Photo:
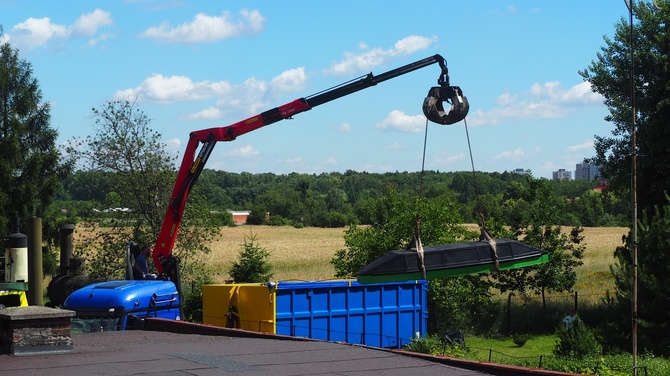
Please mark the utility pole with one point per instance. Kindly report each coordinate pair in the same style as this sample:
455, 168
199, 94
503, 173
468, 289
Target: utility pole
634, 287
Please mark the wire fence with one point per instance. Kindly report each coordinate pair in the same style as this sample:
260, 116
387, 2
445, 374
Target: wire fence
537, 314
539, 361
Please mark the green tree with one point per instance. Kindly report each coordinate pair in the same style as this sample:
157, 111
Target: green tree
394, 222
462, 303
577, 341
532, 219
609, 75
31, 168
89, 186
590, 209
112, 200
653, 279
458, 302
125, 146
252, 265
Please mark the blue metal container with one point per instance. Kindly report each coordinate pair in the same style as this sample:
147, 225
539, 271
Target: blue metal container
384, 315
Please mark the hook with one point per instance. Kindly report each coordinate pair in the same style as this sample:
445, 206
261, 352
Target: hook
434, 109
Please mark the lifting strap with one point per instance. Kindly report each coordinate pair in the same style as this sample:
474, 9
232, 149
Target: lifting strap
484, 233
416, 240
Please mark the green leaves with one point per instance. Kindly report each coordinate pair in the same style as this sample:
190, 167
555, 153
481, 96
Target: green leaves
252, 265
139, 175
31, 169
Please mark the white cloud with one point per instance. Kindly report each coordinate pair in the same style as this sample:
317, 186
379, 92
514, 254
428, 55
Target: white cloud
411, 44
345, 127
173, 146
289, 81
247, 98
209, 113
548, 167
39, 32
395, 146
330, 161
168, 89
401, 122
87, 25
518, 155
95, 41
243, 151
154, 5
204, 28
586, 145
35, 32
444, 159
173, 143
367, 58
510, 9
542, 101
292, 161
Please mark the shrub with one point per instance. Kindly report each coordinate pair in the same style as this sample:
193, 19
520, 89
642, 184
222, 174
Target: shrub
520, 339
252, 265
429, 344
192, 304
578, 341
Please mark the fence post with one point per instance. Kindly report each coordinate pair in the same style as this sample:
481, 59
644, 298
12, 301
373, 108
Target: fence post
576, 300
509, 313
540, 366
490, 352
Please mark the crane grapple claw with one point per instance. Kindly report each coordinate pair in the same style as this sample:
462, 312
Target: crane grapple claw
433, 106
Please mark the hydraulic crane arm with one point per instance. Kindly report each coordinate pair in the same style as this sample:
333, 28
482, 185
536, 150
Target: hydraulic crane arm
192, 164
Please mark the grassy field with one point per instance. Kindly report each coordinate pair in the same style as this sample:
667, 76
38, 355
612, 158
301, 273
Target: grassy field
594, 276
295, 253
305, 253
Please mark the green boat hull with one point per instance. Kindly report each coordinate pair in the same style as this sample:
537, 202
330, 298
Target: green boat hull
450, 260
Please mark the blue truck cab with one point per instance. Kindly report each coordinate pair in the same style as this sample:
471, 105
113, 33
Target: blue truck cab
121, 305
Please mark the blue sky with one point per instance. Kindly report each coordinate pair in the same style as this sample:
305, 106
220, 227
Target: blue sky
200, 64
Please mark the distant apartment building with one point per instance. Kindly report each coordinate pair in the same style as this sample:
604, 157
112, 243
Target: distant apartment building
520, 171
587, 171
562, 174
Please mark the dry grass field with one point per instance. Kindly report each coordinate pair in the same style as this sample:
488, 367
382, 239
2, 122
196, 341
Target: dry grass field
295, 253
305, 253
593, 276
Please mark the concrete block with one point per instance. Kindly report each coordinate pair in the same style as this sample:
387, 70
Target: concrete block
35, 330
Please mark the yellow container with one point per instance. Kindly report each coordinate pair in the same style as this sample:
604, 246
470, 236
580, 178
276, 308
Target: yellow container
249, 306
13, 298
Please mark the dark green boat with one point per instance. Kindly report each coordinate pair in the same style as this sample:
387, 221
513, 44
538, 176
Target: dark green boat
450, 260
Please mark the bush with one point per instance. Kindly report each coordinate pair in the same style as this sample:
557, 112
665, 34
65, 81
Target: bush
429, 344
520, 339
252, 265
277, 220
578, 341
192, 304
435, 345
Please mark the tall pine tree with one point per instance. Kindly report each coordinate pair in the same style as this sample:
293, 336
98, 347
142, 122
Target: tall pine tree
610, 76
31, 169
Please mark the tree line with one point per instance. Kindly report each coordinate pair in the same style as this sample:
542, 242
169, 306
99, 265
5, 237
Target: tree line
338, 199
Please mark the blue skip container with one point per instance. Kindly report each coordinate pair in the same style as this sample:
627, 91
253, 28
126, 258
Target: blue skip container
386, 315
